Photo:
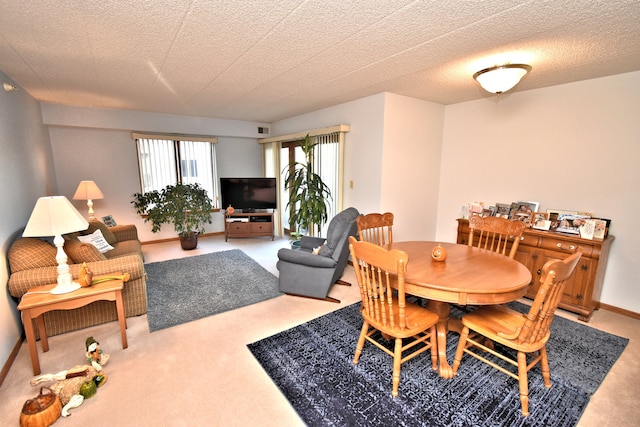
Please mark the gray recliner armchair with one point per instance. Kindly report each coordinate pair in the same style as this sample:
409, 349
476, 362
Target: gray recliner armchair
303, 273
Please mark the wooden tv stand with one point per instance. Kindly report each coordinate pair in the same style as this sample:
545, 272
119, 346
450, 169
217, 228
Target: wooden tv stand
245, 224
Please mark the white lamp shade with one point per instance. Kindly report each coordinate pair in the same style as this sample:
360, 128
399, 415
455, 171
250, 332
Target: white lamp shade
54, 216
501, 78
87, 190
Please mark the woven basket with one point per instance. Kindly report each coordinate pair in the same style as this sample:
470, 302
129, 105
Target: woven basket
41, 411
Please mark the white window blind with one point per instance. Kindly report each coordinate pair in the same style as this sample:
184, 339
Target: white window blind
327, 159
170, 159
328, 163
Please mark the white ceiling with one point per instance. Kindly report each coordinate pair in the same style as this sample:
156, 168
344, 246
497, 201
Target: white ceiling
265, 60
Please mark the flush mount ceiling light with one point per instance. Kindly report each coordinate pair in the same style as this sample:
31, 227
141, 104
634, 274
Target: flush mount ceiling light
501, 78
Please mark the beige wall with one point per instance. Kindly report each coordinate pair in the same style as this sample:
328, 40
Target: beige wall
392, 155
574, 147
26, 173
96, 144
411, 165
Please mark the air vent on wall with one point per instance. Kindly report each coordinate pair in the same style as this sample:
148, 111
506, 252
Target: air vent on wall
263, 130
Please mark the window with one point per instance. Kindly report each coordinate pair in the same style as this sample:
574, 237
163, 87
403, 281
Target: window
170, 159
281, 151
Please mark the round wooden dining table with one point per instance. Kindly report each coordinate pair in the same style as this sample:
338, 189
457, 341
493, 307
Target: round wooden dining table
468, 276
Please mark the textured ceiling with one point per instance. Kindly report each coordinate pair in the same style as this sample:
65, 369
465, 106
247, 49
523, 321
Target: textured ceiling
265, 60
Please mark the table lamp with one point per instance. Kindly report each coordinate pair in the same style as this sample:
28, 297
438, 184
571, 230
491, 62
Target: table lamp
55, 216
88, 190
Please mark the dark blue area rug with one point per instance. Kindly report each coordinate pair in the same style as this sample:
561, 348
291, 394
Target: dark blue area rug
191, 288
312, 366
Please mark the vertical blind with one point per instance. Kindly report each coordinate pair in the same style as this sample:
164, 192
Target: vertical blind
172, 159
328, 163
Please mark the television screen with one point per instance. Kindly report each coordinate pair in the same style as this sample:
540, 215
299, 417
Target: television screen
248, 193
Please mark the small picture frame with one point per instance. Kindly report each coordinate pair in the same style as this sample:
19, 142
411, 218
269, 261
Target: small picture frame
587, 228
522, 217
569, 223
601, 230
536, 216
554, 217
502, 210
487, 212
542, 224
529, 207
109, 221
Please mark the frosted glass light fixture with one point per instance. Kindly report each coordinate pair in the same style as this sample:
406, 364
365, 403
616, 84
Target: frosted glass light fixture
501, 78
88, 190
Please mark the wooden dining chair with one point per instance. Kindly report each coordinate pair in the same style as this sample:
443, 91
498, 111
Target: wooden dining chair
496, 234
525, 333
376, 228
412, 328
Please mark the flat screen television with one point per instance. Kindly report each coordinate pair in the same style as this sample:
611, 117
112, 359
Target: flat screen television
248, 194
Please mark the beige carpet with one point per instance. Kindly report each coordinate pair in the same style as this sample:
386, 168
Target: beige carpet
202, 374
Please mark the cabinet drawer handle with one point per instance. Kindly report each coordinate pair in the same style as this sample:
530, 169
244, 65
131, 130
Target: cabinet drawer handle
571, 247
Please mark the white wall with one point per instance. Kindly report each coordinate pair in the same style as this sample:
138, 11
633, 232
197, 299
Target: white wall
363, 145
392, 155
411, 165
96, 144
574, 147
26, 173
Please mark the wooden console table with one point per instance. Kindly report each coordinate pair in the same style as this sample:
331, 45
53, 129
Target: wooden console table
582, 291
248, 225
39, 300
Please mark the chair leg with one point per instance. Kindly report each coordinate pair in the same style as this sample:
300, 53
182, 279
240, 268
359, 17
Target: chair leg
327, 298
544, 365
397, 357
434, 348
363, 335
462, 343
524, 383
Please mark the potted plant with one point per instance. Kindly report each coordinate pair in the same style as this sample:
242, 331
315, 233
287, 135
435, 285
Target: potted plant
294, 239
308, 195
186, 206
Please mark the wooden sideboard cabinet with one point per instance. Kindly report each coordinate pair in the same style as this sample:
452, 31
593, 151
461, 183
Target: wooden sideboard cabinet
582, 291
248, 225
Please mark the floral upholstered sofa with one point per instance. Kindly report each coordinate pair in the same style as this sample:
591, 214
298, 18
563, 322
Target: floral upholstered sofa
32, 262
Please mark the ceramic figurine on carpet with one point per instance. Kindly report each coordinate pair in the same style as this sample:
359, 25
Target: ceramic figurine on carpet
95, 356
80, 382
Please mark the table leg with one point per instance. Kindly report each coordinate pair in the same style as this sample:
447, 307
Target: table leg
44, 340
121, 318
31, 341
443, 310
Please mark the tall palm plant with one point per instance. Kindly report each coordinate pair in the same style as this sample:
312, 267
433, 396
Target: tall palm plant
308, 195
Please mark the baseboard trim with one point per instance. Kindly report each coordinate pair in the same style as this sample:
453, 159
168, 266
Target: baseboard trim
175, 239
619, 310
10, 360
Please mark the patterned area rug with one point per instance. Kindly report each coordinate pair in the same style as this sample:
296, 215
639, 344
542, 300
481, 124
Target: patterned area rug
312, 365
191, 288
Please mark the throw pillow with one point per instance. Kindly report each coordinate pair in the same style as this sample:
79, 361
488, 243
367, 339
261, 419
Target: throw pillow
79, 252
98, 225
96, 239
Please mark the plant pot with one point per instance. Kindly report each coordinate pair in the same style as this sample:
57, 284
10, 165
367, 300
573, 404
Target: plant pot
189, 242
295, 244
